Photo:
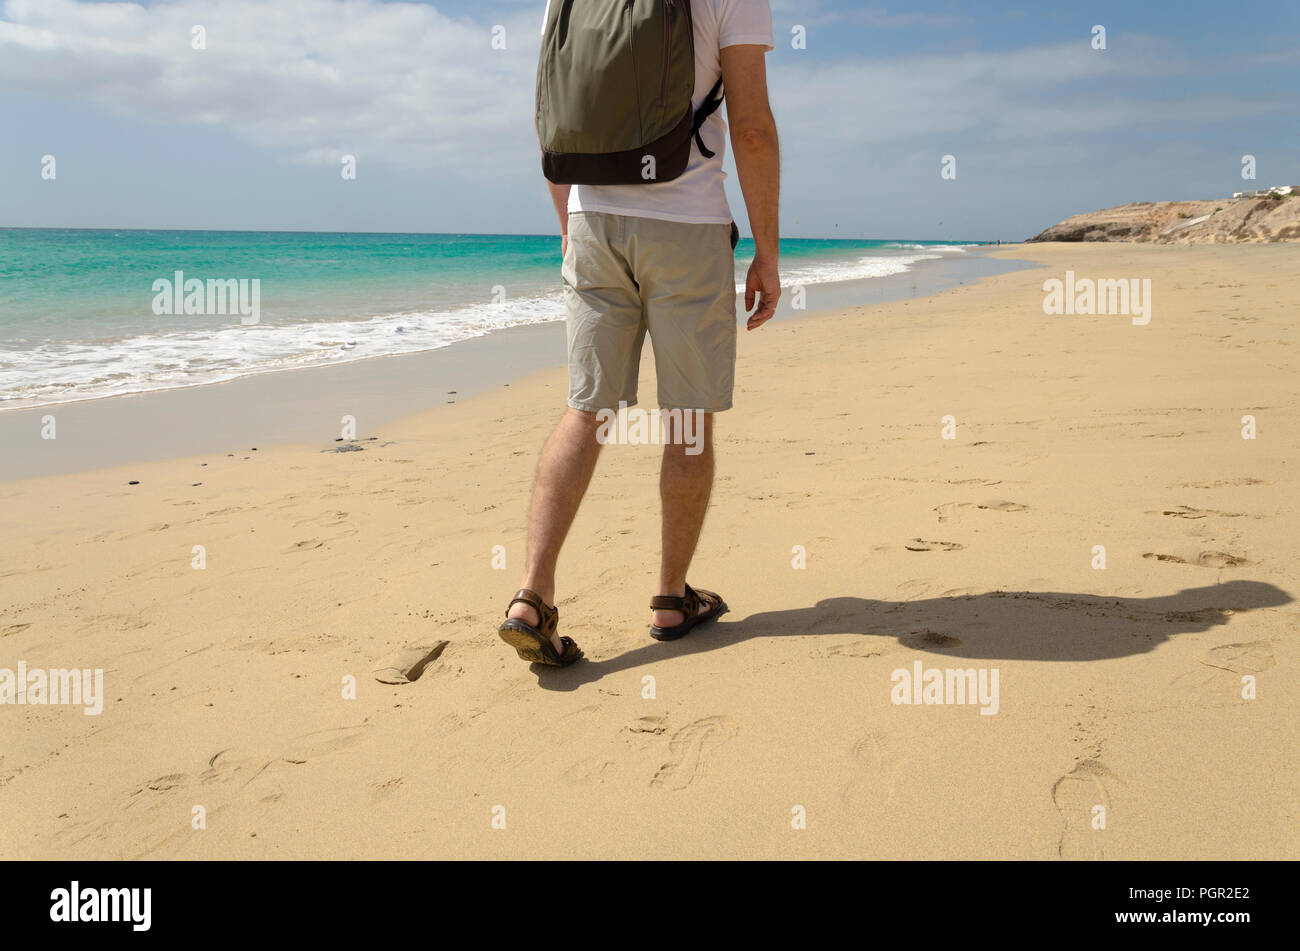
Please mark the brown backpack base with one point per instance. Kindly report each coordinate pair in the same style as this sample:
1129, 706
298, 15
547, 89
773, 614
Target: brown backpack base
661, 160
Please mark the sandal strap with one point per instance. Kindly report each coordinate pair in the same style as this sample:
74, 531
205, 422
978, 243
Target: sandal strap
688, 605
527, 596
548, 617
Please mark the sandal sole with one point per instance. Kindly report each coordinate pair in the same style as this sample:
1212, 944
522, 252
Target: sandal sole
528, 645
676, 633
525, 643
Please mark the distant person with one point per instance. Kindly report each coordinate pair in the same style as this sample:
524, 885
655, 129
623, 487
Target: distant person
632, 146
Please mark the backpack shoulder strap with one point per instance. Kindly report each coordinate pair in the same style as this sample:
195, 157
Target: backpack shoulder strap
707, 108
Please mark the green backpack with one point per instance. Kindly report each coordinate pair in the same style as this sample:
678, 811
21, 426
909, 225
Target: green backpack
614, 86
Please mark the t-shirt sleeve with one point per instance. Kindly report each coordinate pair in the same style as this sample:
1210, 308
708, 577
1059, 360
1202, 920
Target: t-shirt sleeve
745, 22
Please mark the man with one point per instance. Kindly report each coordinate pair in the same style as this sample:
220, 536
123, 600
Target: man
659, 258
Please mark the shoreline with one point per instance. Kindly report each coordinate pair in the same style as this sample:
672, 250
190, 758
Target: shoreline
298, 405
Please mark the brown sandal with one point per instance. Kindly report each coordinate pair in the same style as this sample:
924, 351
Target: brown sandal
533, 644
690, 607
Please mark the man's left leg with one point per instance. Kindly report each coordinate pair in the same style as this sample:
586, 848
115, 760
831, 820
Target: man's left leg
687, 276
685, 484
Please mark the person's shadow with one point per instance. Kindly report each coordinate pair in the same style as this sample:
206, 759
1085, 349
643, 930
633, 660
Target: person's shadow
997, 625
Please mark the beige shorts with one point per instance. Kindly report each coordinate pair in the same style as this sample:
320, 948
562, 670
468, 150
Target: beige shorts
624, 276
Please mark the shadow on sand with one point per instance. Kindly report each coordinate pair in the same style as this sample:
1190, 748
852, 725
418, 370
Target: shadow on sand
997, 625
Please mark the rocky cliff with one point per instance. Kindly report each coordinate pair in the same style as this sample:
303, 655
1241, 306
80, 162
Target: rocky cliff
1186, 222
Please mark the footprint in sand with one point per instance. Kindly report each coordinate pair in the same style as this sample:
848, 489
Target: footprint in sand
306, 545
870, 783
327, 519
1200, 616
140, 805
1249, 657
323, 742
226, 511
920, 544
588, 772
13, 629
864, 647
1186, 511
382, 789
928, 640
949, 509
1076, 796
687, 751
223, 767
653, 725
289, 645
164, 783
1219, 483
406, 666
1205, 559
999, 505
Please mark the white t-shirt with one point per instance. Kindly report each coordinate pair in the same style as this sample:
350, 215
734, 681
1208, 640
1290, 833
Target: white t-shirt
697, 195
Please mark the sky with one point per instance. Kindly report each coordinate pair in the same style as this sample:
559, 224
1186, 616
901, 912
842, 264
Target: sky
248, 133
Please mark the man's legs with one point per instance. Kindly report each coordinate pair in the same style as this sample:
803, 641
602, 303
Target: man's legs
563, 473
685, 482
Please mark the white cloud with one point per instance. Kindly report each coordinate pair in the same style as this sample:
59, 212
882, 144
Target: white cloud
400, 83
1060, 92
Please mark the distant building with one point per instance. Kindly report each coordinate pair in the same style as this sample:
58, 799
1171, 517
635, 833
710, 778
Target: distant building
1266, 192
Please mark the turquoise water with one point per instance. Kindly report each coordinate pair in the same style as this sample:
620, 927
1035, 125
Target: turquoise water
79, 310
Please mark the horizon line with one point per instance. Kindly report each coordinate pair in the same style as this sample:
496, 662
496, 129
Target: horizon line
494, 234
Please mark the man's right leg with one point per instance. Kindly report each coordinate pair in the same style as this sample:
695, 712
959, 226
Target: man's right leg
605, 331
563, 474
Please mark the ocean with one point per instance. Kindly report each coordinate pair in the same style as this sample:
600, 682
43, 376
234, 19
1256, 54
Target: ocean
96, 313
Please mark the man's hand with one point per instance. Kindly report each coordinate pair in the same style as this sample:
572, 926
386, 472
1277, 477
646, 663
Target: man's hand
764, 284
758, 162
560, 198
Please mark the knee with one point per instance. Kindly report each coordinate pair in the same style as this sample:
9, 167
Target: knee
582, 417
688, 436
582, 427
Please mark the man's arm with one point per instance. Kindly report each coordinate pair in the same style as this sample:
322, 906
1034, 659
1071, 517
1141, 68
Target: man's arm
560, 198
758, 160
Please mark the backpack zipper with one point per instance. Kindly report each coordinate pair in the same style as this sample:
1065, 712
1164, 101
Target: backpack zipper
631, 48
669, 6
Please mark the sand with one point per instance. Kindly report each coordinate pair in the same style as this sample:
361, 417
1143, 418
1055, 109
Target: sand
1120, 732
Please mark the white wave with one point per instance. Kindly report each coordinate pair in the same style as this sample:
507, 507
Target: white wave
60, 372
958, 248
858, 270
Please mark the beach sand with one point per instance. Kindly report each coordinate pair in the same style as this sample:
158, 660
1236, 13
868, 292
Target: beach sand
1119, 688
